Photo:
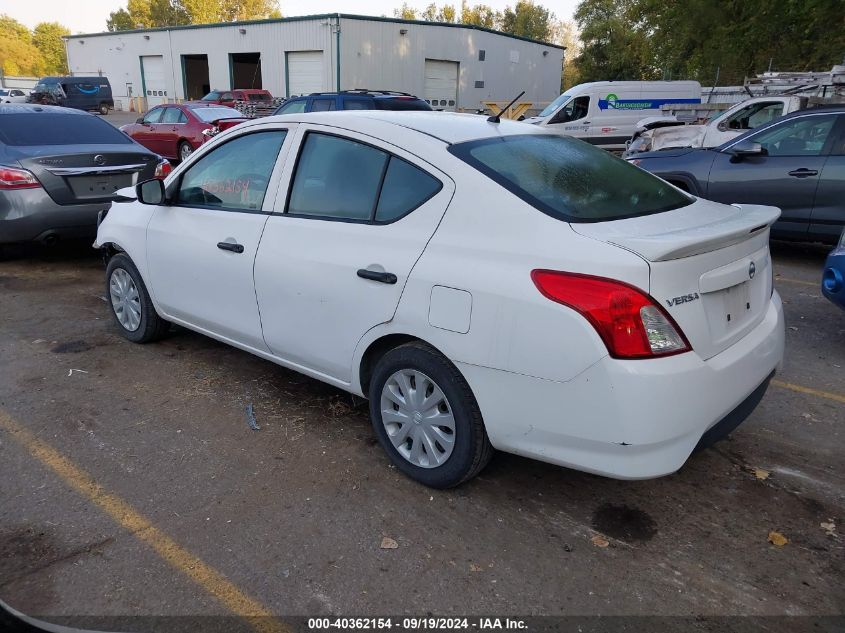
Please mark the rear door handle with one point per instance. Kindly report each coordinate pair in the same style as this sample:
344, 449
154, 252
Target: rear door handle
803, 172
230, 246
374, 275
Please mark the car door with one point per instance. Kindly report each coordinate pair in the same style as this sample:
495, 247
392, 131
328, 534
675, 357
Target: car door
201, 246
145, 131
167, 132
828, 218
337, 252
573, 118
786, 175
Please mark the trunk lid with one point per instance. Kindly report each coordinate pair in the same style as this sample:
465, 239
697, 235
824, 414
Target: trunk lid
80, 175
710, 267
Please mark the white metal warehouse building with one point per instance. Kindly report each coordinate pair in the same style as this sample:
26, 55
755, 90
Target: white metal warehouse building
453, 66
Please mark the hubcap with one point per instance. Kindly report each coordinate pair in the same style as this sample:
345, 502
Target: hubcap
418, 418
125, 299
186, 151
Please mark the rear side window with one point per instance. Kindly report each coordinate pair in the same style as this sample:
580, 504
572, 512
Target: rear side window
402, 104
405, 188
322, 105
337, 178
342, 179
43, 128
569, 179
358, 104
172, 115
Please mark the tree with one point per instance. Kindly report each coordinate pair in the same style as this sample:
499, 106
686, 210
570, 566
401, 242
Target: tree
18, 54
527, 19
160, 13
566, 34
47, 38
406, 12
479, 15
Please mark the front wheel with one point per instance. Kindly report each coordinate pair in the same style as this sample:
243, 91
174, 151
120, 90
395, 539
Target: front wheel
104, 109
426, 417
130, 302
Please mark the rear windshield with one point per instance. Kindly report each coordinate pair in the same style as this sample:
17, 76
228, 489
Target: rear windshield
46, 128
401, 103
569, 179
214, 113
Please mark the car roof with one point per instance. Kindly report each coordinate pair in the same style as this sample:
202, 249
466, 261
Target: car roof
449, 127
34, 108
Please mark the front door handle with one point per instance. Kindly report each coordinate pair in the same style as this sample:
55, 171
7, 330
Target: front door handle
374, 275
230, 246
803, 172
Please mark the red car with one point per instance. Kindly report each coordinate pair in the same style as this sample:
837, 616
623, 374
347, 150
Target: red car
174, 131
228, 97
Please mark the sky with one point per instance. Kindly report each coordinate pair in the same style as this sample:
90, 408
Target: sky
89, 16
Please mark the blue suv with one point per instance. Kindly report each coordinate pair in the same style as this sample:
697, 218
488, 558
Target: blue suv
352, 100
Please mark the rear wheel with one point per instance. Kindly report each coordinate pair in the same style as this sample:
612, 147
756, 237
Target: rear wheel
185, 150
426, 417
104, 109
130, 302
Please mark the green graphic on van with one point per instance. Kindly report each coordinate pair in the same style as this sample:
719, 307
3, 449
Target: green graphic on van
613, 102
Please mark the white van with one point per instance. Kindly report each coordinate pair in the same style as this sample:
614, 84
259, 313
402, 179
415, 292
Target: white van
605, 113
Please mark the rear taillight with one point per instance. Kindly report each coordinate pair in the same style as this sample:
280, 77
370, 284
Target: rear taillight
631, 323
163, 169
13, 178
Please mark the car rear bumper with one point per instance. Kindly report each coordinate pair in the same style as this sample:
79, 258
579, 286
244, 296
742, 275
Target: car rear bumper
630, 419
28, 215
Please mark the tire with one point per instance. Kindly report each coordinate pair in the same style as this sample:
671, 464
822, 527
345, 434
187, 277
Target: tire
420, 366
184, 150
136, 318
103, 109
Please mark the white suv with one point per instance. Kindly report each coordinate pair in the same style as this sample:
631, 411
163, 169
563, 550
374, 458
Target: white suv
485, 285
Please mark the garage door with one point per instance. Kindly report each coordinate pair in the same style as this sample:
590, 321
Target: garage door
441, 84
152, 71
305, 72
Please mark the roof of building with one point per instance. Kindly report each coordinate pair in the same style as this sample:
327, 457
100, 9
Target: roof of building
322, 16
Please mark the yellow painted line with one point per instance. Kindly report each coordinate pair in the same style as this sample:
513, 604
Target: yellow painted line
211, 580
800, 282
812, 392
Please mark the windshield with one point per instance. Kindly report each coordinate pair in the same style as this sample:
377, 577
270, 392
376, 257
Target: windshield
569, 179
213, 114
554, 105
44, 128
212, 96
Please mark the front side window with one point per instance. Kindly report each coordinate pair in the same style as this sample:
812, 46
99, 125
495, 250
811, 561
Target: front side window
802, 136
233, 176
292, 107
343, 179
569, 179
153, 116
754, 116
574, 110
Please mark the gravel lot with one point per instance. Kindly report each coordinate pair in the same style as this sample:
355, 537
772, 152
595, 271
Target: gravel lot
293, 516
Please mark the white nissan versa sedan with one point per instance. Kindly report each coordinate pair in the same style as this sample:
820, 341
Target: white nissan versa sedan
485, 285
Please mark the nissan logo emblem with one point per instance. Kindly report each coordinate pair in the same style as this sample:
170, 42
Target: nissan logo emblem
752, 270
99, 159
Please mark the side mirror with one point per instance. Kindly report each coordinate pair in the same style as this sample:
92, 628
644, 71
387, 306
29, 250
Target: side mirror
140, 119
744, 149
150, 191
